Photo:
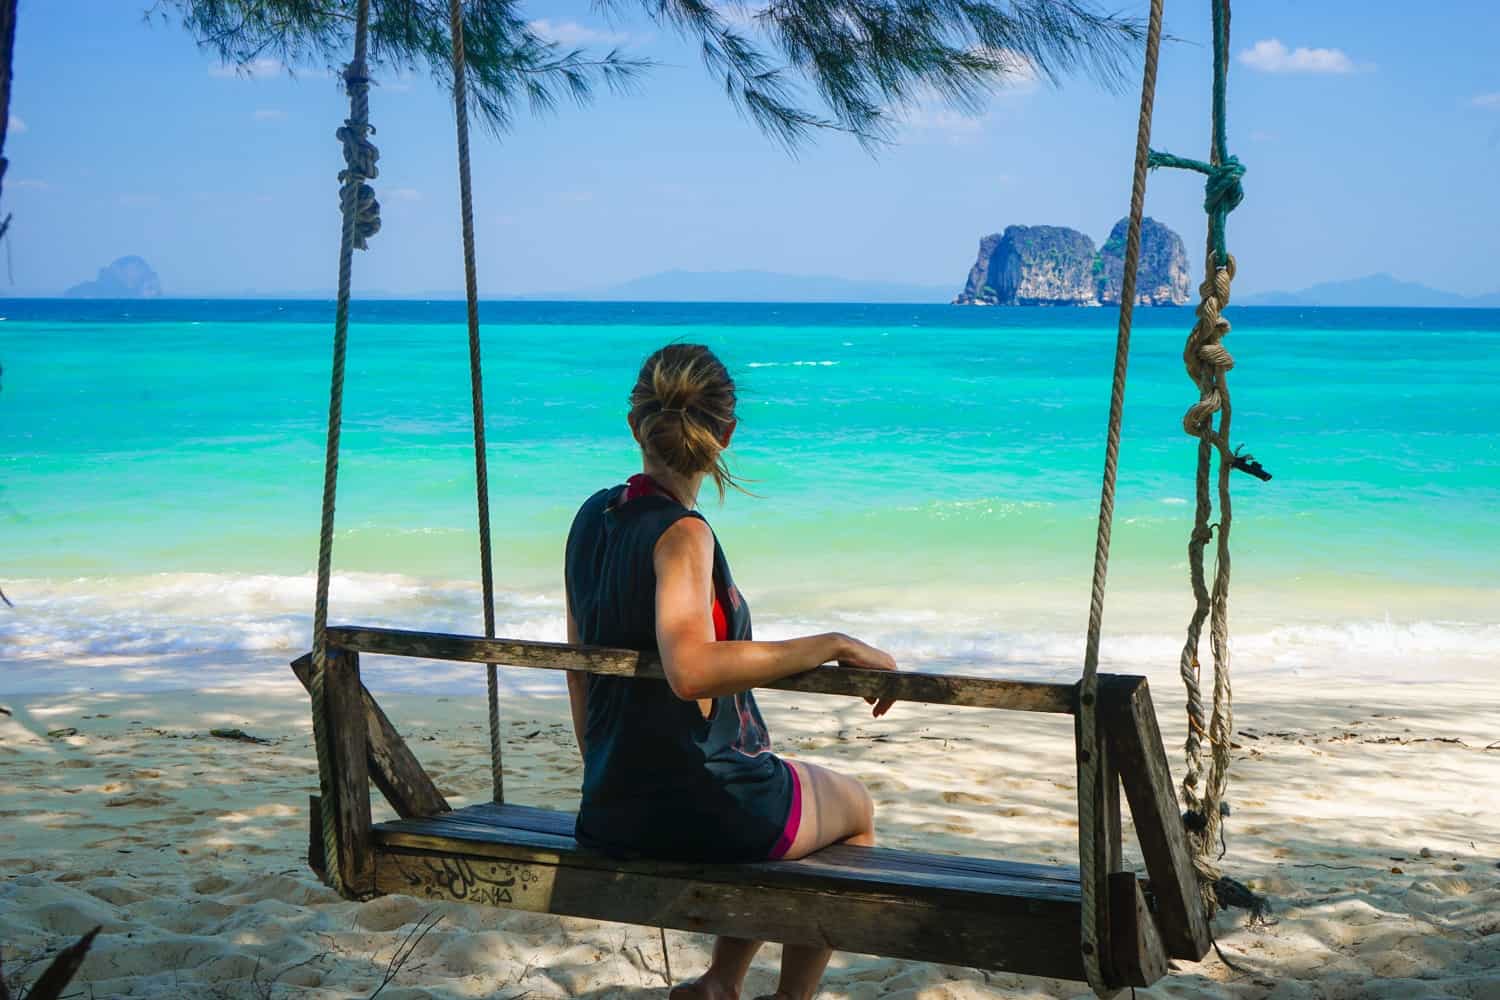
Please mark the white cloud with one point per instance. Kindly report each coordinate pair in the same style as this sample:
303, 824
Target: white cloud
269, 114
17, 125
1487, 101
942, 121
930, 116
28, 184
1272, 56
571, 33
256, 69
403, 194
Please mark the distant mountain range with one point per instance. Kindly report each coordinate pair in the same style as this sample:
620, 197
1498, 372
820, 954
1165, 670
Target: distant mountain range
1376, 290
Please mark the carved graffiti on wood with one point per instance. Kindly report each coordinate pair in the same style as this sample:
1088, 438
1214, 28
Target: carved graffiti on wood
494, 883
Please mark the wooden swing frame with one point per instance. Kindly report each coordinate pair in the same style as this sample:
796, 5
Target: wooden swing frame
986, 914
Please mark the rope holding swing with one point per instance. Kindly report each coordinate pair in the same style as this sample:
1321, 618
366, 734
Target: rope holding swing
476, 384
361, 220
1090, 778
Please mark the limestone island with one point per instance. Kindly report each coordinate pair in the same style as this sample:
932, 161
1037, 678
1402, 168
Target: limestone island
126, 278
1057, 266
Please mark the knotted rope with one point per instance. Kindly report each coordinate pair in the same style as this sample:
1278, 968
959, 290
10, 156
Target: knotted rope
1090, 781
360, 156
1208, 363
358, 205
476, 384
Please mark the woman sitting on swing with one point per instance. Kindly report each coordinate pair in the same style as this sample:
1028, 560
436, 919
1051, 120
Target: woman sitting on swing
682, 769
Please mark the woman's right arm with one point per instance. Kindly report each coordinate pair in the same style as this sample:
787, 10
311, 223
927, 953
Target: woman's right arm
698, 667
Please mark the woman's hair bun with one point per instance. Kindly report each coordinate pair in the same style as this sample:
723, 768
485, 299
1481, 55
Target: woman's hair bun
682, 407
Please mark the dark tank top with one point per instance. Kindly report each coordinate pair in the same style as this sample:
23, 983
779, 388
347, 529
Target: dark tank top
660, 780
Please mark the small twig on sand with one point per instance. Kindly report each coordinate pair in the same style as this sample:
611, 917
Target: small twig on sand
405, 950
666, 959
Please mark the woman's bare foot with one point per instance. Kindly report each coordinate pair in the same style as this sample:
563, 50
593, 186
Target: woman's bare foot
704, 988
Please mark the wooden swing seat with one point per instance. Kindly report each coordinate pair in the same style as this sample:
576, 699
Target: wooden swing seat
979, 913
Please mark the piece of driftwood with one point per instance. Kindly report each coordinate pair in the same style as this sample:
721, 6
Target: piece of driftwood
1135, 743
1137, 955
351, 777
908, 686
58, 974
968, 911
238, 735
391, 764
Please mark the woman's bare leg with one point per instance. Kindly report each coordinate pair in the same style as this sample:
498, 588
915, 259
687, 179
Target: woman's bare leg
835, 808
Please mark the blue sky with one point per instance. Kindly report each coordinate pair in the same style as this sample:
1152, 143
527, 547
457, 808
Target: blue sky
1372, 142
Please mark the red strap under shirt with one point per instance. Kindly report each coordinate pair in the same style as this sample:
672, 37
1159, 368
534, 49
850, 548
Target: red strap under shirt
642, 485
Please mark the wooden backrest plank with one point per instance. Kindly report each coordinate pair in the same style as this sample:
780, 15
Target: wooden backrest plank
905, 685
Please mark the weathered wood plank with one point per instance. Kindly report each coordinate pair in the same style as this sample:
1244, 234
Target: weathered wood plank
904, 685
1135, 742
983, 931
345, 719
489, 816
1138, 957
392, 766
874, 869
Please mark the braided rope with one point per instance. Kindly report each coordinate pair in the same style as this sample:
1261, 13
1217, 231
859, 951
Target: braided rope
1090, 785
476, 385
359, 158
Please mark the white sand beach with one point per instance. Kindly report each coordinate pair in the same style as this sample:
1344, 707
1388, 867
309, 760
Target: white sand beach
1366, 810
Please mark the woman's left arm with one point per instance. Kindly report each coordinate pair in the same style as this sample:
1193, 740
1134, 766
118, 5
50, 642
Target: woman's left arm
578, 687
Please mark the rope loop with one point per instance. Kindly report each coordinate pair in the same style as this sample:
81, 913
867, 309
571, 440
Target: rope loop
1222, 194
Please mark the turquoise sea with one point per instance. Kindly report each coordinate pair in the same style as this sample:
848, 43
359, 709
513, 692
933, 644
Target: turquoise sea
926, 475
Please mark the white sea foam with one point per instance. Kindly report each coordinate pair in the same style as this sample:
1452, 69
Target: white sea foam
188, 630
791, 364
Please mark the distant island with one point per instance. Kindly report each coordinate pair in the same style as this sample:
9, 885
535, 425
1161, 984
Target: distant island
126, 278
1375, 291
1058, 266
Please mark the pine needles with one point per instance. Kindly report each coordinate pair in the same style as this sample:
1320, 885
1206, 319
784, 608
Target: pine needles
861, 60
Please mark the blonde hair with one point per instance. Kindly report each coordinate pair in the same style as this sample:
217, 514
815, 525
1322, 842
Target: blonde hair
681, 408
